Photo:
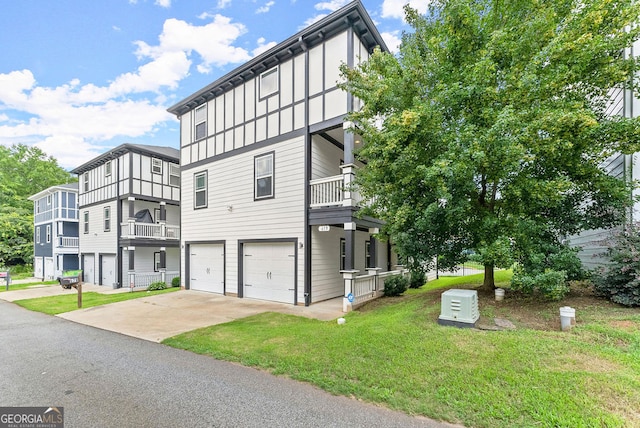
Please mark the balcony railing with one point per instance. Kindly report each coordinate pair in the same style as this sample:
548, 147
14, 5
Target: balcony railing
160, 231
68, 242
142, 280
327, 192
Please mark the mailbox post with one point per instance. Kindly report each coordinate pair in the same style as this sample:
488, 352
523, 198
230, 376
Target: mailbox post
72, 278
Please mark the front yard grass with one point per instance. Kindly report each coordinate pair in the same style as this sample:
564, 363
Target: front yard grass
54, 305
394, 353
13, 287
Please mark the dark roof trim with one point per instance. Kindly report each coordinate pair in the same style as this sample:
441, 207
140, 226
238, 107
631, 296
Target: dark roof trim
168, 154
352, 15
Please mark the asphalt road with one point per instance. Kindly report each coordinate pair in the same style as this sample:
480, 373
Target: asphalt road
105, 379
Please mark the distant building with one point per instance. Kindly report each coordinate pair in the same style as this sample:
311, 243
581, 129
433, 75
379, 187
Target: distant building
129, 216
55, 239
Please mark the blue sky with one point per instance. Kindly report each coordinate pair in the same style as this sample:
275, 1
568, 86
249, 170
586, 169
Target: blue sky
79, 77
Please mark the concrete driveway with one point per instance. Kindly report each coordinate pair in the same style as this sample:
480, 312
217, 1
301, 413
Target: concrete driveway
157, 317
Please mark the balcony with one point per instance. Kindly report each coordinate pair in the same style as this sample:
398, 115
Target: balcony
157, 231
67, 242
334, 191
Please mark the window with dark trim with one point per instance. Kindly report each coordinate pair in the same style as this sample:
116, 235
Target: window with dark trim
263, 176
174, 175
107, 219
367, 255
86, 181
200, 190
343, 254
48, 200
156, 261
85, 221
48, 233
201, 122
156, 166
269, 82
37, 235
107, 169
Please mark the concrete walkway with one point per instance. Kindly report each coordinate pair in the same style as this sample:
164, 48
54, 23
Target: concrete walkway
158, 317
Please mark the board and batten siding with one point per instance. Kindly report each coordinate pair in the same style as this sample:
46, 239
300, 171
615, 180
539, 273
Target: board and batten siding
232, 214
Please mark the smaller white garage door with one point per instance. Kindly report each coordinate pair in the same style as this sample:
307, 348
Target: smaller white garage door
48, 268
206, 267
88, 266
108, 270
269, 271
38, 267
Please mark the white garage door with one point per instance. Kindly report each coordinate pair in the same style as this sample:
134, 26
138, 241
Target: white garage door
88, 266
206, 267
38, 268
108, 270
48, 268
269, 271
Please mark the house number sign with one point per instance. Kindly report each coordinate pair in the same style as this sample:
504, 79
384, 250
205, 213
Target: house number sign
325, 228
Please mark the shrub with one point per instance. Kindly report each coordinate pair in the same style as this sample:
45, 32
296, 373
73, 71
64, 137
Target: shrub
175, 282
396, 285
619, 281
418, 279
551, 284
158, 285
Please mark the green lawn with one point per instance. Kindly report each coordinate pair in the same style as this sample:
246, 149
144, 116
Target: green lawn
13, 287
394, 353
54, 305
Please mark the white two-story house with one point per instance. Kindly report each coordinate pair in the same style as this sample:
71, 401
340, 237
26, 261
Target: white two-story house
266, 160
55, 237
129, 216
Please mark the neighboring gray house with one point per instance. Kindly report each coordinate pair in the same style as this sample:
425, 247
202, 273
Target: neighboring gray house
592, 243
55, 236
266, 161
129, 216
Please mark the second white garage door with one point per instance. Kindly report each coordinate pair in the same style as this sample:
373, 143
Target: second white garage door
206, 267
269, 271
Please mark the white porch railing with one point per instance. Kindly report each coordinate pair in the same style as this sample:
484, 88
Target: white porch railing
133, 230
359, 289
142, 280
68, 242
326, 192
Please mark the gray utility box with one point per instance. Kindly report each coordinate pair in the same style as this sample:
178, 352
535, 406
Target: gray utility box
459, 308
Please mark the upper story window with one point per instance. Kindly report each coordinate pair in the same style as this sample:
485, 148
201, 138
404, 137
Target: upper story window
37, 235
48, 233
48, 200
174, 175
264, 176
269, 82
86, 181
200, 189
201, 122
156, 166
107, 219
107, 169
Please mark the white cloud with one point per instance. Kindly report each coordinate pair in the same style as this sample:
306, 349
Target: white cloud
163, 3
394, 8
262, 46
332, 5
312, 20
392, 40
266, 7
223, 3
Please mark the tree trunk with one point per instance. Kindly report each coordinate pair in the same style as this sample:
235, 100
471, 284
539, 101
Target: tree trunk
489, 283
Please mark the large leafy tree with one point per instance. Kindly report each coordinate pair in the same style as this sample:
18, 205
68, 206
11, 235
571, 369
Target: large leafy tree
488, 129
24, 171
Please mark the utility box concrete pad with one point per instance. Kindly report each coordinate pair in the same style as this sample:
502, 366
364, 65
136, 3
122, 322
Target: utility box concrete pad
459, 308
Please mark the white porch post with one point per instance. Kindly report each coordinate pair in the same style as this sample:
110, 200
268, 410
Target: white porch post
163, 264
163, 220
349, 277
348, 177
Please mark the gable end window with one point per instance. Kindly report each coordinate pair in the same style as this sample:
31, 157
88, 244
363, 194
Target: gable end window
174, 175
107, 169
200, 190
86, 181
263, 171
269, 82
201, 122
107, 219
156, 166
